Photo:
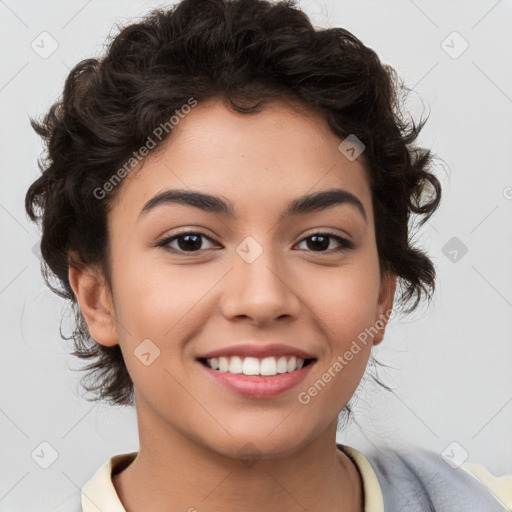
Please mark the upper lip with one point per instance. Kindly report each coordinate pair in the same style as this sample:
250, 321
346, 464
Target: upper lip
259, 351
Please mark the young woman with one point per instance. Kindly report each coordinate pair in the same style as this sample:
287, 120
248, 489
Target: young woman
226, 204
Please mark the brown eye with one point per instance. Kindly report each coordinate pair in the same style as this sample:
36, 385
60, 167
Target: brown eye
189, 242
319, 242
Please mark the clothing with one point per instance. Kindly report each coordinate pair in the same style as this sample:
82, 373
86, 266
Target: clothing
418, 480
393, 481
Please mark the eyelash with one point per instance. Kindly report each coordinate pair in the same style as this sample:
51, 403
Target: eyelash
345, 244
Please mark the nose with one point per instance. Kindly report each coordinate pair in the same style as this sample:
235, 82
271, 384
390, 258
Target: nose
263, 290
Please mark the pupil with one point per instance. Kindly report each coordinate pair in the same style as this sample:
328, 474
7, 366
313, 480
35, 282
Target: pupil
196, 243
323, 245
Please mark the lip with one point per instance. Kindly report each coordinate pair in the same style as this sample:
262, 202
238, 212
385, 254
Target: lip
259, 351
257, 386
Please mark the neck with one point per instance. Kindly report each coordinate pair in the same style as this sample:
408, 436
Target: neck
176, 473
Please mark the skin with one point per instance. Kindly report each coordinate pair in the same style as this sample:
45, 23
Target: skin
192, 431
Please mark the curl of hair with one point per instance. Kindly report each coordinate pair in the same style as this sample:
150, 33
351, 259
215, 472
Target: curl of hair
246, 52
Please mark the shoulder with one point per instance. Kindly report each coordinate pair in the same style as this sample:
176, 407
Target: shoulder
412, 478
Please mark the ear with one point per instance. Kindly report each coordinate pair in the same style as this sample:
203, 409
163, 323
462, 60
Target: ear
94, 299
384, 305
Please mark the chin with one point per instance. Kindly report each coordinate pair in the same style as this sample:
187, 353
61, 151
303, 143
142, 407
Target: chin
254, 443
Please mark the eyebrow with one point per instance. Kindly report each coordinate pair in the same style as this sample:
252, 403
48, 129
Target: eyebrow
314, 202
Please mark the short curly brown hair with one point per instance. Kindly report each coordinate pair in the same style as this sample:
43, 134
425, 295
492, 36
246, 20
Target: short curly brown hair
245, 52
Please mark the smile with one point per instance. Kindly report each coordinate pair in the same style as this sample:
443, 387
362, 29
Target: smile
268, 366
251, 377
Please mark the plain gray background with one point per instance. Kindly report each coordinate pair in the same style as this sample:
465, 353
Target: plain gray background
452, 362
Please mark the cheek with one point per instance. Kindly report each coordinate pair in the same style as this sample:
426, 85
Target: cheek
346, 298
344, 303
345, 317
160, 301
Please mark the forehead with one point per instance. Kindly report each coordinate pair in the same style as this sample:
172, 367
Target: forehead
272, 156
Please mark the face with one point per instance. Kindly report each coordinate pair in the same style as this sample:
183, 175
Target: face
255, 291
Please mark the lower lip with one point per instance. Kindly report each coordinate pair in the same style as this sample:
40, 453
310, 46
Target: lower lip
256, 386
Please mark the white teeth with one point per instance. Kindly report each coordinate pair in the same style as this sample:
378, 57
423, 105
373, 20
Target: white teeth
268, 366
223, 364
282, 365
250, 366
235, 365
